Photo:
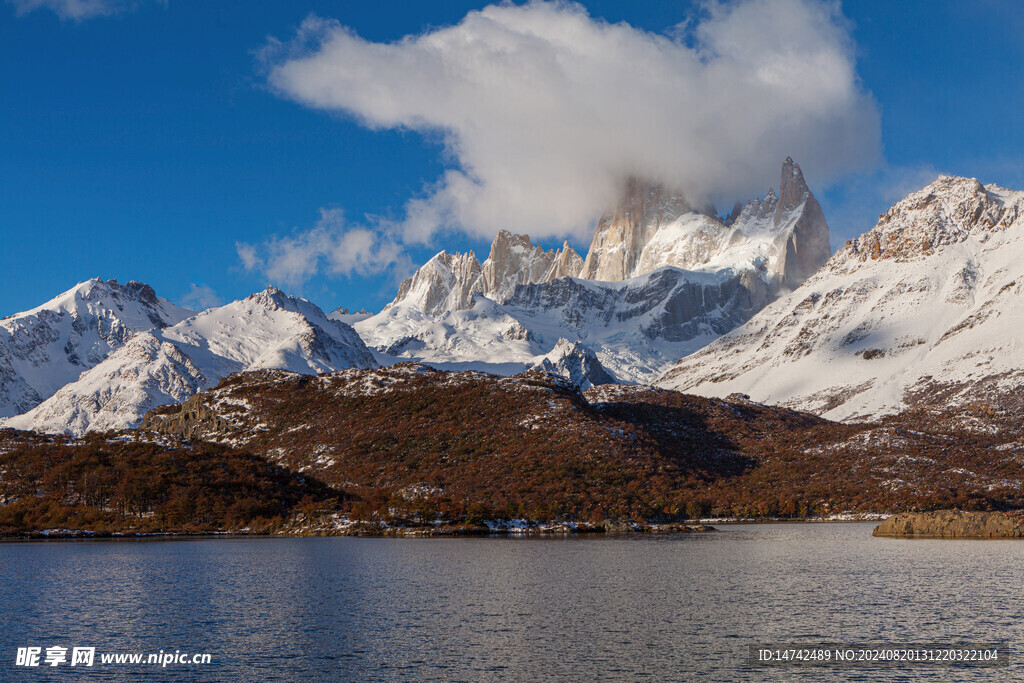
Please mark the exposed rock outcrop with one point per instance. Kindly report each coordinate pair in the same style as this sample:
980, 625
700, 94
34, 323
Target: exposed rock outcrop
566, 263
786, 236
447, 282
801, 227
951, 524
577, 363
623, 233
514, 260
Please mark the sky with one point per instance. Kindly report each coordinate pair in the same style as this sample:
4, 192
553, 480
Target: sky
213, 148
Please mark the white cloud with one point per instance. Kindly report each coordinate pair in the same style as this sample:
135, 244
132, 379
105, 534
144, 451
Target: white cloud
201, 297
330, 247
249, 255
545, 110
76, 10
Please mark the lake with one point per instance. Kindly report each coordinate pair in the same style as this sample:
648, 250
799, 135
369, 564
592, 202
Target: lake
678, 607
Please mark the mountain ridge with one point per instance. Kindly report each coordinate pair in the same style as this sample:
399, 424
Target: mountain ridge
268, 329
46, 347
660, 280
923, 308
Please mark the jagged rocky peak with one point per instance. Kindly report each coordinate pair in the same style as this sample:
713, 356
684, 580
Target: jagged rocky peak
577, 363
792, 186
447, 282
271, 297
514, 260
756, 209
801, 226
784, 236
949, 210
567, 263
622, 233
343, 310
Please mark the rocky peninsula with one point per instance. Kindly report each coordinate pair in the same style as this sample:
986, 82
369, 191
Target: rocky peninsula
951, 524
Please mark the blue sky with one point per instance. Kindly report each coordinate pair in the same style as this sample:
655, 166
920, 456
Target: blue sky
149, 141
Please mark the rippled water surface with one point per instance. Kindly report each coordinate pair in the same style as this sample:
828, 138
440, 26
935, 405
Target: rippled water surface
620, 607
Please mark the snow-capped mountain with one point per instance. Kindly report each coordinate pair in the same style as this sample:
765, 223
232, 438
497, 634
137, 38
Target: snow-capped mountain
342, 314
925, 308
49, 346
577, 363
636, 328
265, 330
673, 279
784, 237
660, 281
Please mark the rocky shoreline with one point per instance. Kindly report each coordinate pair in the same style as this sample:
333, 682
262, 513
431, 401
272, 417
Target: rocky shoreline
951, 524
499, 527
380, 530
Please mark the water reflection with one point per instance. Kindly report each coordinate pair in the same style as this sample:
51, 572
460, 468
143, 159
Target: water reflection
679, 607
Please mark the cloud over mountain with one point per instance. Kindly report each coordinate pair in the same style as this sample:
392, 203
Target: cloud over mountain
331, 246
544, 109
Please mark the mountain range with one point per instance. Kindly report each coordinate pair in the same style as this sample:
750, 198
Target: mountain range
661, 279
919, 312
48, 347
167, 365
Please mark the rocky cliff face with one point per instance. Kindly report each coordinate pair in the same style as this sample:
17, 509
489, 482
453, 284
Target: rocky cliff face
448, 282
923, 309
513, 260
785, 236
783, 240
566, 263
949, 211
622, 233
802, 242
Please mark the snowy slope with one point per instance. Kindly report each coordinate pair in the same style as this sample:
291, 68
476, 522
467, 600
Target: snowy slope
43, 349
343, 315
636, 328
266, 330
927, 307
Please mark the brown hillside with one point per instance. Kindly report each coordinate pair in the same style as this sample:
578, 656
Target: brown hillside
471, 445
